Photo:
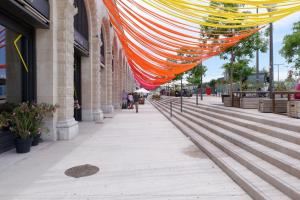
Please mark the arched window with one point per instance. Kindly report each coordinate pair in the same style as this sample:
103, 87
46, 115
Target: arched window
81, 28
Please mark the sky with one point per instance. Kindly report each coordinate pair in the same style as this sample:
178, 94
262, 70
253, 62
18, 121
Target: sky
281, 28
214, 65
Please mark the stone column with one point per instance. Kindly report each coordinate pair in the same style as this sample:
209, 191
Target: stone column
87, 85
124, 76
108, 108
67, 127
47, 75
97, 90
119, 84
103, 88
116, 84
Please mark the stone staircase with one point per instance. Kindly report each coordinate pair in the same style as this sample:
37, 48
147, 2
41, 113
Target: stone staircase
260, 154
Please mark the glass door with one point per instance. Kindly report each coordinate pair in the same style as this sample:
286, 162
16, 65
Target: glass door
17, 71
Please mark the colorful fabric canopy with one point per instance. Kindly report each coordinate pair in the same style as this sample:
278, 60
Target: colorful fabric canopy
164, 38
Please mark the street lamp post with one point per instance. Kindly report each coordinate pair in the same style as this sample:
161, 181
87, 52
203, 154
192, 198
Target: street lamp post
271, 83
181, 93
257, 65
271, 78
278, 65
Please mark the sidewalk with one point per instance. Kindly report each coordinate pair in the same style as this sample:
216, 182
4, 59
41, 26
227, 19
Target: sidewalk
141, 157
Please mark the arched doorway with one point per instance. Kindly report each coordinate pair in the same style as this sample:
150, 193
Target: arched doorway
81, 49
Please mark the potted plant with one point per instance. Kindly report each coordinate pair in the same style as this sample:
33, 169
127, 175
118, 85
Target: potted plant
40, 112
20, 122
26, 123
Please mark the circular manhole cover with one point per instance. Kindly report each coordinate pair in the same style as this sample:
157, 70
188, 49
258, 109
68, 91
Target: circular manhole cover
82, 171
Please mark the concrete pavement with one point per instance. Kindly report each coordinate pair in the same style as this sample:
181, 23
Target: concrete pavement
140, 156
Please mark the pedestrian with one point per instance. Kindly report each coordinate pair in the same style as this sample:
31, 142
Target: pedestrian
136, 98
130, 101
124, 99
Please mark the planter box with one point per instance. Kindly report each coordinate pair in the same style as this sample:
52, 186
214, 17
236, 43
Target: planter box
223, 96
228, 102
293, 109
6, 141
249, 103
265, 105
237, 102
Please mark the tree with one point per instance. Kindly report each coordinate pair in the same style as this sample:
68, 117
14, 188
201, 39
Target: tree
240, 72
196, 78
242, 52
291, 47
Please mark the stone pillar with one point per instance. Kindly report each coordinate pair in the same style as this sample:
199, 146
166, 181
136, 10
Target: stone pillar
103, 87
119, 84
67, 127
47, 75
124, 76
97, 90
116, 93
108, 108
87, 85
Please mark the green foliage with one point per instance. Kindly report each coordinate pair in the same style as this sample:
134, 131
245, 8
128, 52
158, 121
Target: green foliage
280, 86
291, 47
26, 120
178, 77
247, 47
238, 56
241, 70
196, 74
212, 83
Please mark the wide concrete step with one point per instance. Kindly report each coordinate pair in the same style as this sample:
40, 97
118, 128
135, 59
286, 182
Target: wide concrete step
280, 179
239, 113
290, 136
275, 157
285, 162
254, 185
280, 145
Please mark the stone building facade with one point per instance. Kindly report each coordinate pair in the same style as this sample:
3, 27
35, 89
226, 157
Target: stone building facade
78, 61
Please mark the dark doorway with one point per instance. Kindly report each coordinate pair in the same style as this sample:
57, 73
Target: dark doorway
16, 83
77, 87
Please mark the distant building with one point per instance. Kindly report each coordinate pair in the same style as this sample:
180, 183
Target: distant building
262, 77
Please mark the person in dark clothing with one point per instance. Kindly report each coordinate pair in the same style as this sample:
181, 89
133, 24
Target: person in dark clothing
136, 98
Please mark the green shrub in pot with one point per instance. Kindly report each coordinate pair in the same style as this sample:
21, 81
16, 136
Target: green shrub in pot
26, 123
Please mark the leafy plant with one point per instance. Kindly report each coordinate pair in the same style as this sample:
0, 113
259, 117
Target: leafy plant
291, 47
26, 120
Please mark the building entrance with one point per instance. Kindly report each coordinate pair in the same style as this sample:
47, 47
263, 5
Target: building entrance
77, 88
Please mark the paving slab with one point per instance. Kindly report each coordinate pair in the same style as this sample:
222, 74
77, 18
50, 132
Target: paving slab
140, 156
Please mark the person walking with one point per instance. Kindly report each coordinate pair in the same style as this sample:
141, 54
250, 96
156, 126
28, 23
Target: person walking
136, 98
130, 101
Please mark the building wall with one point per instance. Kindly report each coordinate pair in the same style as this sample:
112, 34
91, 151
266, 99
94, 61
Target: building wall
101, 88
